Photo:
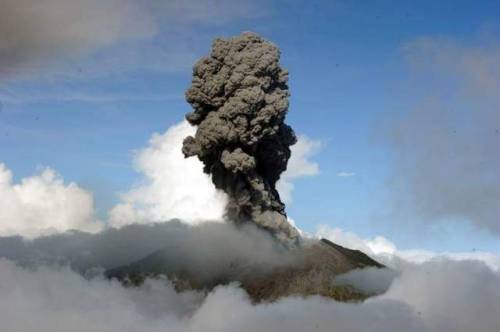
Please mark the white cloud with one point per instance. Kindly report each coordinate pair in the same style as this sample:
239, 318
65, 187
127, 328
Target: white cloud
345, 174
61, 300
419, 256
375, 246
174, 186
451, 296
43, 204
370, 280
433, 297
387, 252
299, 165
437, 295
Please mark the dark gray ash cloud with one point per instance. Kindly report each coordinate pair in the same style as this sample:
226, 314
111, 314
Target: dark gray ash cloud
240, 98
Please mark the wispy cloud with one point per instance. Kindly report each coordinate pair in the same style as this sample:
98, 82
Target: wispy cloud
345, 174
446, 144
50, 37
37, 31
85, 97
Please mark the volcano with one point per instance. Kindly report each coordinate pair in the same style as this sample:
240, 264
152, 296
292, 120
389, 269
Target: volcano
239, 95
311, 272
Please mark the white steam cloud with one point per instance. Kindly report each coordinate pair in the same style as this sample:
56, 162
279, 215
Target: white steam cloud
43, 204
176, 187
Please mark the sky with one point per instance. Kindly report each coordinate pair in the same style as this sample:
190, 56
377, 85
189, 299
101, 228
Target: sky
395, 102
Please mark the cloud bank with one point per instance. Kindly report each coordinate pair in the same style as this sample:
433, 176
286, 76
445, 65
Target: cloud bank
434, 297
208, 251
439, 295
43, 204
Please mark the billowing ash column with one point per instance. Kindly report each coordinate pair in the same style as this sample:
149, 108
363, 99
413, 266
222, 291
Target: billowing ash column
239, 94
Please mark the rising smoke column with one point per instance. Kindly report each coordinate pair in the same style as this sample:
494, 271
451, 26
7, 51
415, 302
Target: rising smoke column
239, 94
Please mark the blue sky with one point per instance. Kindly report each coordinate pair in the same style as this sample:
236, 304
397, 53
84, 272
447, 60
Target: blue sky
355, 68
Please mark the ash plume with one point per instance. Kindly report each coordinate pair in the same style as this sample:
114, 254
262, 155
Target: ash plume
239, 94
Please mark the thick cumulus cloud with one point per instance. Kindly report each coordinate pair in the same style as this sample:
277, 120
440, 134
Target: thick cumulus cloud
446, 147
33, 31
176, 187
173, 186
55, 281
43, 204
239, 95
434, 297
